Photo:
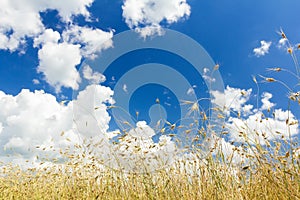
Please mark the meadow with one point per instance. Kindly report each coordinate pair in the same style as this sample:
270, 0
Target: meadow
266, 170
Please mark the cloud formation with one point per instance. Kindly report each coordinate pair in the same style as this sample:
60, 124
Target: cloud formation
255, 123
92, 40
33, 121
263, 49
147, 16
12, 12
58, 54
57, 62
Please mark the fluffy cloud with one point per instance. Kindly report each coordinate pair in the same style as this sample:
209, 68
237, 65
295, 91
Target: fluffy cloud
58, 55
92, 40
266, 104
252, 123
146, 16
30, 119
90, 113
58, 64
68, 8
235, 100
93, 77
263, 49
48, 36
11, 30
137, 152
12, 12
259, 129
35, 124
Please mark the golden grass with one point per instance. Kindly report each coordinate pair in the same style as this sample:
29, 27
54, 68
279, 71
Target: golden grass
212, 179
267, 172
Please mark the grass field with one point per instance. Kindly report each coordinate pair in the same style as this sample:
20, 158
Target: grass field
208, 179
268, 170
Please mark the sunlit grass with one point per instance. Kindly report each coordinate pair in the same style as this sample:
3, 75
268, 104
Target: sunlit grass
254, 169
212, 178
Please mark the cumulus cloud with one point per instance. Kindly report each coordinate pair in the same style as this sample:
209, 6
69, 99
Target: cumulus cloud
263, 49
93, 77
12, 12
146, 16
252, 123
58, 64
48, 36
137, 152
228, 151
259, 129
235, 100
90, 113
58, 54
92, 40
35, 123
32, 119
266, 104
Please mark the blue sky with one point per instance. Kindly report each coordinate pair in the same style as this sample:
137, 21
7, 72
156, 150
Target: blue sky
228, 30
45, 48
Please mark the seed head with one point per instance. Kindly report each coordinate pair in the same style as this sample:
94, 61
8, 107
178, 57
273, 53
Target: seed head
270, 79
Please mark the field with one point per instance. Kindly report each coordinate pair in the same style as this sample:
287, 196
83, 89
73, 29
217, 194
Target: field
264, 178
255, 169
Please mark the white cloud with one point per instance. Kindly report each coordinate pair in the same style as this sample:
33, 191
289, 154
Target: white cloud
36, 119
69, 8
227, 149
57, 63
90, 113
34, 124
125, 88
146, 16
137, 152
263, 49
266, 101
17, 20
207, 76
92, 40
58, 60
21, 18
259, 129
282, 43
58, 56
235, 99
253, 123
35, 81
93, 77
48, 36
32, 118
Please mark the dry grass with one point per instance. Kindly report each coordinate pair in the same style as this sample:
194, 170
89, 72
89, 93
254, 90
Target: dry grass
270, 171
211, 179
